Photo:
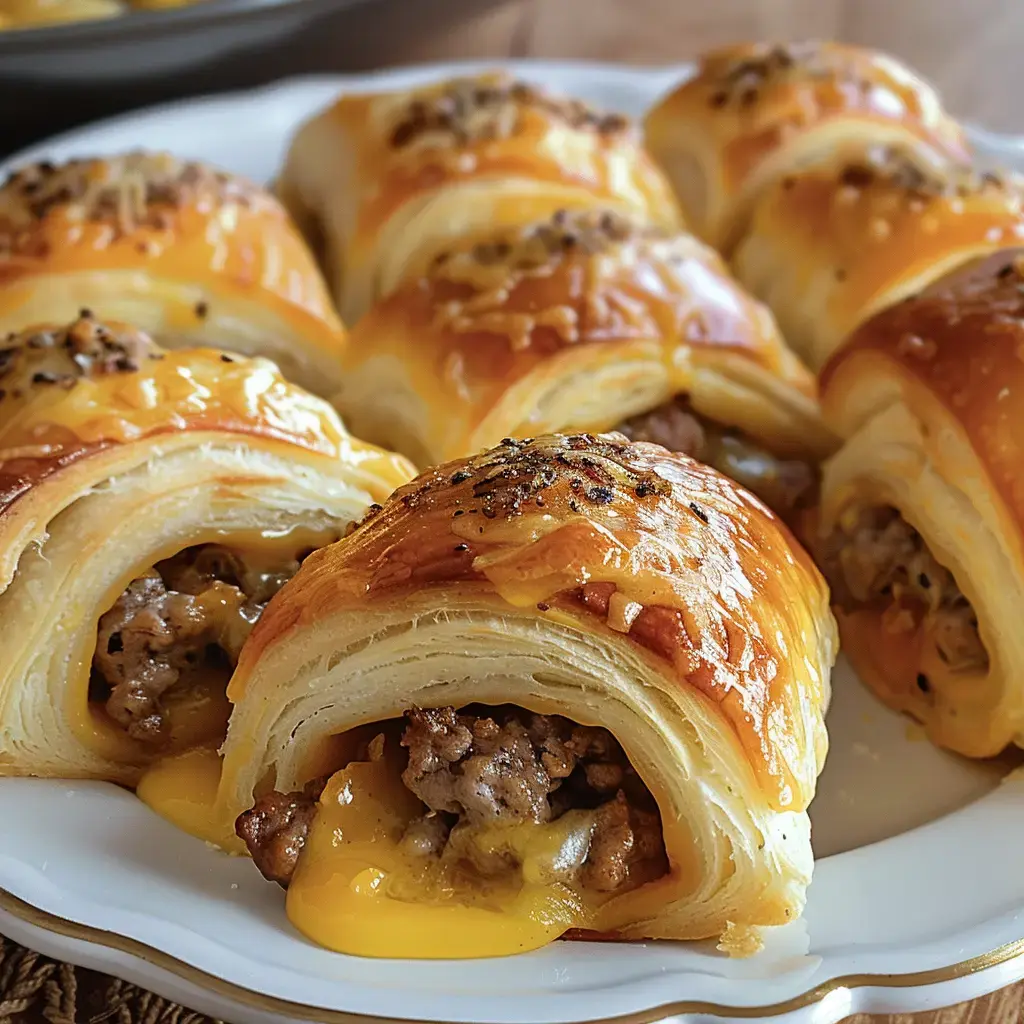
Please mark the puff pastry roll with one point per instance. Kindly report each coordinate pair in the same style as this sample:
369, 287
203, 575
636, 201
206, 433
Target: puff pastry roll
151, 502
382, 182
585, 321
192, 255
570, 683
921, 509
831, 246
752, 113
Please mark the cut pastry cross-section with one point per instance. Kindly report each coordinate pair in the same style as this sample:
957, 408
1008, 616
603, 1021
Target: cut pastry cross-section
151, 504
571, 685
383, 182
922, 510
830, 246
753, 113
191, 254
585, 321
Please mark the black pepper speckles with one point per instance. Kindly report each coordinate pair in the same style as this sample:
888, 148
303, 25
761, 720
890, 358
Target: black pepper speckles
125, 193
566, 234
372, 511
63, 356
857, 175
587, 473
651, 486
744, 81
473, 110
920, 183
202, 310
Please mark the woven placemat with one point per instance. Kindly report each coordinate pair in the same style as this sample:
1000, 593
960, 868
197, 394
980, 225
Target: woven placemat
37, 990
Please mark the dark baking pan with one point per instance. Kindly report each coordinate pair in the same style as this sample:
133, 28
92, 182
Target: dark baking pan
56, 77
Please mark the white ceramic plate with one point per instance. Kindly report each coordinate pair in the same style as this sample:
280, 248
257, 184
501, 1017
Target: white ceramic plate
918, 893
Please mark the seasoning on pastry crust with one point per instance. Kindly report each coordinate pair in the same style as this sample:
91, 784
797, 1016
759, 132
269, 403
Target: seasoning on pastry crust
382, 182
191, 254
753, 113
830, 246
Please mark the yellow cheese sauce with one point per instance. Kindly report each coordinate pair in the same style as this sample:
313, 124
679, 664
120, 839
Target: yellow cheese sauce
183, 789
357, 891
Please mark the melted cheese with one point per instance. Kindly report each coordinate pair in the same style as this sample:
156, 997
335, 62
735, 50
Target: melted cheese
183, 789
183, 389
357, 891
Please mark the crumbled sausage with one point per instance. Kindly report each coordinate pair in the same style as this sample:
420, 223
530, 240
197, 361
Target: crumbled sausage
475, 767
473, 770
484, 769
275, 830
623, 836
191, 612
877, 557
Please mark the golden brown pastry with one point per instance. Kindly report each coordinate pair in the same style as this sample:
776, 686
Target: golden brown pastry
922, 508
754, 112
382, 182
151, 503
193, 255
570, 683
584, 321
831, 246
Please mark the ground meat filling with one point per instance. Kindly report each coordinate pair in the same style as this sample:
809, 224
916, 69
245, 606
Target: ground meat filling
275, 831
876, 557
188, 615
503, 767
782, 484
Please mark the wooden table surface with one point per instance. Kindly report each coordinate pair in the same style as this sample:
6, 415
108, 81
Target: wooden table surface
970, 48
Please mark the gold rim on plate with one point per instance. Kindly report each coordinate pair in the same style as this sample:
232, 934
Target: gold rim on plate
201, 979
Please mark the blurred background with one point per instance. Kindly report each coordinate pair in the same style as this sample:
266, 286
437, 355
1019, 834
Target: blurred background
58, 76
